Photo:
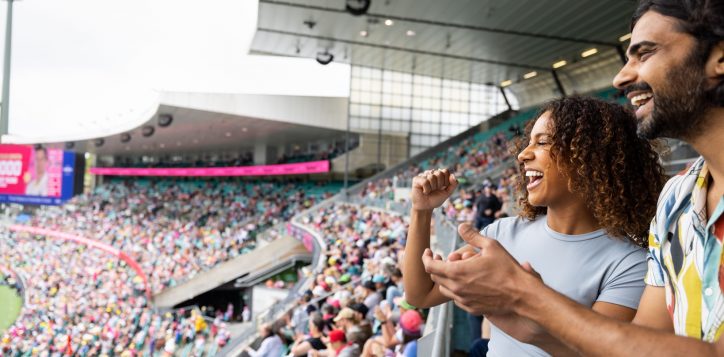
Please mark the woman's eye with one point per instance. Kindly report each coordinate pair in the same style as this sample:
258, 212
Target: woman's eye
542, 143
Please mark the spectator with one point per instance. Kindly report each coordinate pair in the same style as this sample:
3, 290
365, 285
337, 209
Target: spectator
314, 341
486, 207
410, 323
271, 345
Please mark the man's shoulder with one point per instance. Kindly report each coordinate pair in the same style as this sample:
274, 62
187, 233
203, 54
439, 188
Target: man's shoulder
680, 186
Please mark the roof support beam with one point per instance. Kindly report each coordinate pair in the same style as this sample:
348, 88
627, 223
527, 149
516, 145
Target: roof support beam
621, 54
505, 96
559, 85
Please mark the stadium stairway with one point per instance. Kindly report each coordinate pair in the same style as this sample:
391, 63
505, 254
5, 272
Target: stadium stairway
257, 264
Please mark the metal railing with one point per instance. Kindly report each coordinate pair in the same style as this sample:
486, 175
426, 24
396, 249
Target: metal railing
436, 341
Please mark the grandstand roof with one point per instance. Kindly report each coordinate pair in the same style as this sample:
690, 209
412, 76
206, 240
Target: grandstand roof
198, 131
478, 41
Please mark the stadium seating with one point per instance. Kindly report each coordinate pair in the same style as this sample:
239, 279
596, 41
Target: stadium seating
174, 228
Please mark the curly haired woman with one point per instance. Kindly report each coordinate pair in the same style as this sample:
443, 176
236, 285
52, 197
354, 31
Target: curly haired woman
587, 191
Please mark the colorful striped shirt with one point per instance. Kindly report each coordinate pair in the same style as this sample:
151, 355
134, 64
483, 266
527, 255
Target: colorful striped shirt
685, 254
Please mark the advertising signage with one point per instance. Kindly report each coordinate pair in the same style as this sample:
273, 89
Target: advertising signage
312, 167
36, 175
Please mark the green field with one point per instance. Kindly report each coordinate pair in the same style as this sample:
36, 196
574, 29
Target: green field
10, 304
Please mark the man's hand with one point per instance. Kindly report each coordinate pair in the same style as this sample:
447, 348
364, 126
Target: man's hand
488, 282
520, 328
465, 252
431, 188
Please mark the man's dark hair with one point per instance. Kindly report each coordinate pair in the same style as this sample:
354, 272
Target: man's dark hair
702, 19
41, 148
317, 321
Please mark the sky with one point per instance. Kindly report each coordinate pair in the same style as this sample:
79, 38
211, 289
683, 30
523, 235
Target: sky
87, 68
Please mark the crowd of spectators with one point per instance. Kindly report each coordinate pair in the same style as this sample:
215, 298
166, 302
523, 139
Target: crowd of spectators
471, 203
470, 160
177, 229
356, 305
86, 302
89, 302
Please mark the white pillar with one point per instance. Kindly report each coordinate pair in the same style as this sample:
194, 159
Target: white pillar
260, 154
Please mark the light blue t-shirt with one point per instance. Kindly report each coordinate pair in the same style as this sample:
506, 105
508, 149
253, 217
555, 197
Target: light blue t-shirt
587, 268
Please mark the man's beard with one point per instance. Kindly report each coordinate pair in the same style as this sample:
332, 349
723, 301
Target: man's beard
681, 106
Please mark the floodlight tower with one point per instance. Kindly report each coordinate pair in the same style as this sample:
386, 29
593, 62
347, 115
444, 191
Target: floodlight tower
4, 115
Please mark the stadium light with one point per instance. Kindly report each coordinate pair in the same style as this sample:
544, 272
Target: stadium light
560, 64
506, 83
410, 33
364, 33
588, 53
389, 22
165, 120
324, 58
147, 131
625, 37
530, 75
357, 7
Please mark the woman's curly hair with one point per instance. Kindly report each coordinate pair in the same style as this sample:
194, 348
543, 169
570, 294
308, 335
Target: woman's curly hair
595, 145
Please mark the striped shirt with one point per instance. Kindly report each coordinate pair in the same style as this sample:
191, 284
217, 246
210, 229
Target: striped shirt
685, 251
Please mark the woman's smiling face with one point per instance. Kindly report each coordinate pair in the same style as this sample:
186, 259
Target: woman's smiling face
546, 185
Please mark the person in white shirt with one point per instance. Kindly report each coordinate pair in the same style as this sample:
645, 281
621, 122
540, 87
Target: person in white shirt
38, 186
271, 346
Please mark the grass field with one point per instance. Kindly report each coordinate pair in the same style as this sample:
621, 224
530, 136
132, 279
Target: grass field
10, 304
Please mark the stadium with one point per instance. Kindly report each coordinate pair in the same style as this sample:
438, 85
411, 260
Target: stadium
273, 213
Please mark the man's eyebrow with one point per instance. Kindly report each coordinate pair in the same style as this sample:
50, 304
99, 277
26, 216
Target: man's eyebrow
636, 47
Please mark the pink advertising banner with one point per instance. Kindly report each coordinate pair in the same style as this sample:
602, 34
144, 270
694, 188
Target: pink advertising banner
312, 167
